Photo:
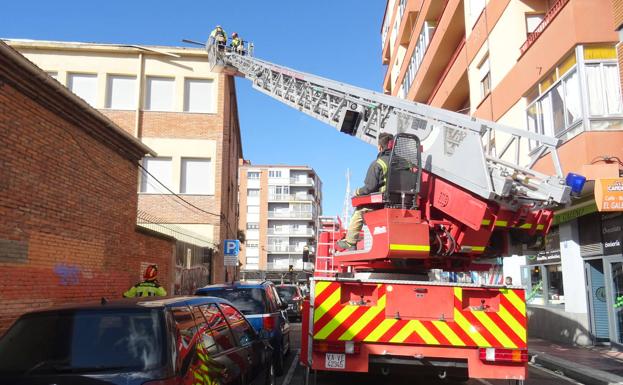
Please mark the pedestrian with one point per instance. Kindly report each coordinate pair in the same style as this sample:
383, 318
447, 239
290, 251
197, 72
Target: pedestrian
219, 37
149, 287
508, 281
375, 181
236, 44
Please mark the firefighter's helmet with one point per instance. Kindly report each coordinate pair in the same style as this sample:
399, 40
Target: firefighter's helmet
151, 273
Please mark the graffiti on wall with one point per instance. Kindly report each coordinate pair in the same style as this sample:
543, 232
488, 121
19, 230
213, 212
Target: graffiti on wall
68, 275
189, 280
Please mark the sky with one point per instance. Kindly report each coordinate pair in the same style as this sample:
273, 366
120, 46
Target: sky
336, 39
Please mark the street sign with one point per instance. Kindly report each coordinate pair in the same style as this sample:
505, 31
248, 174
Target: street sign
231, 248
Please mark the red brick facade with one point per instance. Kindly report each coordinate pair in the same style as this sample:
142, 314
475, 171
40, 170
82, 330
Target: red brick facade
67, 199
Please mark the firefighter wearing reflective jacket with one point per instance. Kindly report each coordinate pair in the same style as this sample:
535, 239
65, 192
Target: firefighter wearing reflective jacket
236, 43
374, 182
219, 37
149, 287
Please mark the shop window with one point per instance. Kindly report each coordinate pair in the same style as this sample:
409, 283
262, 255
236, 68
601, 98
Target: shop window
543, 284
534, 283
555, 290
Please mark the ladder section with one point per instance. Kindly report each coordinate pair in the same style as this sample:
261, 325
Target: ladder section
329, 232
452, 143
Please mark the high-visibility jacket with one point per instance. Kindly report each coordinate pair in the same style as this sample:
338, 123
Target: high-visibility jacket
145, 289
219, 35
376, 177
235, 42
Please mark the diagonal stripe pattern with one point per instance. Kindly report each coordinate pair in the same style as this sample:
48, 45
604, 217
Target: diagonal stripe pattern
501, 326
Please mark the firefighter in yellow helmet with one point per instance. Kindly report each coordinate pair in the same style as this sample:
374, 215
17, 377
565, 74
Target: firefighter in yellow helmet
149, 287
219, 36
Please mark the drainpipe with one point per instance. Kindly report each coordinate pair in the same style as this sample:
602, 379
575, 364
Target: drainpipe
139, 96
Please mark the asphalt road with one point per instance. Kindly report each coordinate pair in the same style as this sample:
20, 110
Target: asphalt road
295, 374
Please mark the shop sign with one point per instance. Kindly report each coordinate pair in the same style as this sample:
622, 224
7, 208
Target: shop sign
551, 254
569, 214
611, 226
609, 194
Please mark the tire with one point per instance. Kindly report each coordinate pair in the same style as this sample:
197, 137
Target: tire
278, 363
271, 375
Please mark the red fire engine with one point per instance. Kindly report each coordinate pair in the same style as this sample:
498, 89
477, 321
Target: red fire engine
450, 203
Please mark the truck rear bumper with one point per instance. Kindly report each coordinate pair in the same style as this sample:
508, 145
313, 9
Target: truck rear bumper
436, 360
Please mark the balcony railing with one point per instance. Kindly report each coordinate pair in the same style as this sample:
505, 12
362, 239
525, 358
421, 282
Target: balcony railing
284, 265
291, 197
302, 181
547, 19
290, 214
291, 232
284, 248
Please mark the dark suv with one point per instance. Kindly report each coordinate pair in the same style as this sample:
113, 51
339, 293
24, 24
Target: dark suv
187, 340
291, 294
261, 305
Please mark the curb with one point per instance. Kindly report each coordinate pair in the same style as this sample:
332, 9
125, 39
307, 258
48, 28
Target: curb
576, 371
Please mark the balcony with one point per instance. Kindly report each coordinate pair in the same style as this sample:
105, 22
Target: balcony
290, 215
278, 248
302, 181
284, 264
547, 19
291, 232
291, 198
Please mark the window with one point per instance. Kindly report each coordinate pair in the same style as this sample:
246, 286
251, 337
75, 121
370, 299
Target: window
198, 95
555, 290
185, 324
253, 175
247, 300
418, 55
160, 169
52, 74
84, 85
252, 244
274, 174
253, 226
196, 176
121, 92
543, 284
534, 283
533, 21
604, 92
253, 209
485, 77
205, 333
253, 192
239, 326
219, 328
160, 94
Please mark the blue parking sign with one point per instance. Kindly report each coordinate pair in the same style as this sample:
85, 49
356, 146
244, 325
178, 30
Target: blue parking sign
231, 247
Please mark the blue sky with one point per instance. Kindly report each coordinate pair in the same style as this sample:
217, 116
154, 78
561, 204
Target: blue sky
337, 39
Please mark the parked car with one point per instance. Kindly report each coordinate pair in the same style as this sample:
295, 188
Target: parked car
292, 295
184, 340
261, 305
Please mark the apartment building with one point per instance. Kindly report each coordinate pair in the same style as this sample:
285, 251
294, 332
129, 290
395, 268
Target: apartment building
550, 67
168, 98
279, 208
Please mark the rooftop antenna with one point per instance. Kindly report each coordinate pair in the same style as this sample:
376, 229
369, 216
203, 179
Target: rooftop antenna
347, 208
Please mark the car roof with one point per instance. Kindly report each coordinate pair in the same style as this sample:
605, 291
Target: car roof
135, 304
237, 284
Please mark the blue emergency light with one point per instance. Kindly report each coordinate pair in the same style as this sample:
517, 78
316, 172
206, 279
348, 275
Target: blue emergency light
576, 182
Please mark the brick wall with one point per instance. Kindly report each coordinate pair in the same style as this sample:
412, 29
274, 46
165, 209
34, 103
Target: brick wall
68, 207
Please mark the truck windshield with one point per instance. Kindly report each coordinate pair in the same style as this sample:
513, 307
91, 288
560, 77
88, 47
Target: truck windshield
84, 341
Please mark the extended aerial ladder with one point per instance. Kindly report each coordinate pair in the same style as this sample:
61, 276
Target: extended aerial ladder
450, 200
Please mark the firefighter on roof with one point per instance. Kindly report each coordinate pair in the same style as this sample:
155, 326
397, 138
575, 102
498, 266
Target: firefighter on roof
149, 287
374, 182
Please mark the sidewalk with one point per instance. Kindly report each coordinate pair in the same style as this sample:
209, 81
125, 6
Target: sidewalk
588, 365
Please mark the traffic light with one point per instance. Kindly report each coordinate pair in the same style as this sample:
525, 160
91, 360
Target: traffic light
305, 254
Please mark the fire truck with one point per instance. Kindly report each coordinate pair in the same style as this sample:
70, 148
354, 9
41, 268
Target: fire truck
453, 201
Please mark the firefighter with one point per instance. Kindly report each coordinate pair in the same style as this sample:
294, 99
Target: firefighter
374, 182
149, 287
219, 36
236, 44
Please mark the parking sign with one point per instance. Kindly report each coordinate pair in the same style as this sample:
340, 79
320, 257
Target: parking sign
231, 248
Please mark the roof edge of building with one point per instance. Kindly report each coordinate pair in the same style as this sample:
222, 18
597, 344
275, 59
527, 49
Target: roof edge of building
26, 77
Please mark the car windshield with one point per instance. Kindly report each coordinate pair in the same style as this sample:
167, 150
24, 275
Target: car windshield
248, 301
84, 341
287, 292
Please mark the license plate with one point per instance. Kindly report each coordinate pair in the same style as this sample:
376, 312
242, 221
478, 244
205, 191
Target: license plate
335, 361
